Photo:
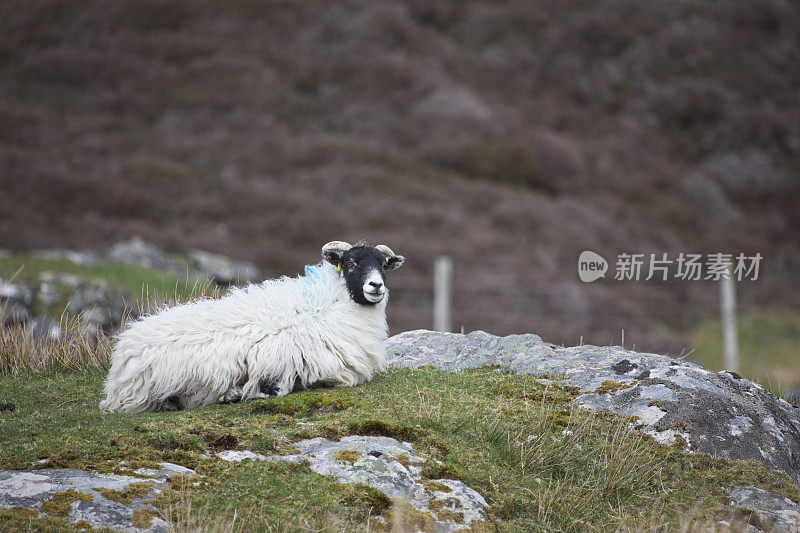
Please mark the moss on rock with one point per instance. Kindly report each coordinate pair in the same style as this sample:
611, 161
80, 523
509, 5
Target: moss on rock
59, 503
347, 456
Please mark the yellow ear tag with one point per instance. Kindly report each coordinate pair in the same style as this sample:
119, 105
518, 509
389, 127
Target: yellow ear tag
387, 259
338, 267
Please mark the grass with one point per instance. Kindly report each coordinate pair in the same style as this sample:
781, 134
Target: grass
541, 462
768, 341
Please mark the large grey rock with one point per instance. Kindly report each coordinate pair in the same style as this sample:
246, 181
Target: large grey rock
100, 304
136, 251
222, 269
775, 513
31, 489
674, 401
391, 467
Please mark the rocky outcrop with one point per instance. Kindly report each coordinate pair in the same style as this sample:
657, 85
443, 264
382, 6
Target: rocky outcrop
675, 401
136, 251
218, 268
102, 307
393, 468
120, 502
773, 512
223, 270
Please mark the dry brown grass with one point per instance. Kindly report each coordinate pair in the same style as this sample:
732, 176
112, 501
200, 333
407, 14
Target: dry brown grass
73, 350
81, 345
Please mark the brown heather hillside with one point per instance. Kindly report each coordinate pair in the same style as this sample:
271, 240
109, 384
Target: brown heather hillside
511, 135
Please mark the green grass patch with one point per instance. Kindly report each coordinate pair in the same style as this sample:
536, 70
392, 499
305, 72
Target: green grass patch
541, 462
768, 347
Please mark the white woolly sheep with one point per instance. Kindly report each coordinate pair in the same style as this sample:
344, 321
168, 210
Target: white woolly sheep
327, 327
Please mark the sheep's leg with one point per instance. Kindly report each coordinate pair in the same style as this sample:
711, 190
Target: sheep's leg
285, 385
234, 394
173, 403
251, 390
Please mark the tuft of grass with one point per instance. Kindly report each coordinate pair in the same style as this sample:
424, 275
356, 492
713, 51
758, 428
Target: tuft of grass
142, 518
768, 341
73, 351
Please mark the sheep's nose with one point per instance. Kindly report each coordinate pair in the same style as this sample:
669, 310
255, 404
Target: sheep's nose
376, 284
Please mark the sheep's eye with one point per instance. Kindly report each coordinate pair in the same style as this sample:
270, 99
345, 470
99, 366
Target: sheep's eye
351, 265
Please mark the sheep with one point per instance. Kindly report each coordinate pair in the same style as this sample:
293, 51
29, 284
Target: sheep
326, 327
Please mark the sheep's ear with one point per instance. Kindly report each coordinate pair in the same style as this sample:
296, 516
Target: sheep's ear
396, 261
334, 250
392, 261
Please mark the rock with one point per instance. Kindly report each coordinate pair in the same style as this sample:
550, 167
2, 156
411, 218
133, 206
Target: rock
99, 499
223, 270
78, 257
97, 315
456, 103
101, 305
13, 313
775, 513
16, 291
674, 401
56, 287
60, 278
391, 467
138, 252
44, 328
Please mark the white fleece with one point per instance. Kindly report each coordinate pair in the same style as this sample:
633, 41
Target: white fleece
289, 331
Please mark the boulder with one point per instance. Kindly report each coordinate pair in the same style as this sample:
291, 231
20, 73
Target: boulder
101, 500
223, 270
100, 304
393, 468
675, 401
775, 513
136, 251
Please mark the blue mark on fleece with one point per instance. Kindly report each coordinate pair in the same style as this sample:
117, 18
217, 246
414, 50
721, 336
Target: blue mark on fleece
312, 275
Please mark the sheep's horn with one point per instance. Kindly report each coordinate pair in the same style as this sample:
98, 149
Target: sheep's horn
385, 250
337, 246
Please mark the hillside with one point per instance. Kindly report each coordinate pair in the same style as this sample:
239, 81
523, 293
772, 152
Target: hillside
541, 462
510, 135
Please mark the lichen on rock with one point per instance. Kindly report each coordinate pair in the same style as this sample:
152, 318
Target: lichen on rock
91, 499
395, 469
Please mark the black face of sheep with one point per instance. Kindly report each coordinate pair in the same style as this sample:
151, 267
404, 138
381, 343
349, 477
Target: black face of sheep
364, 269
